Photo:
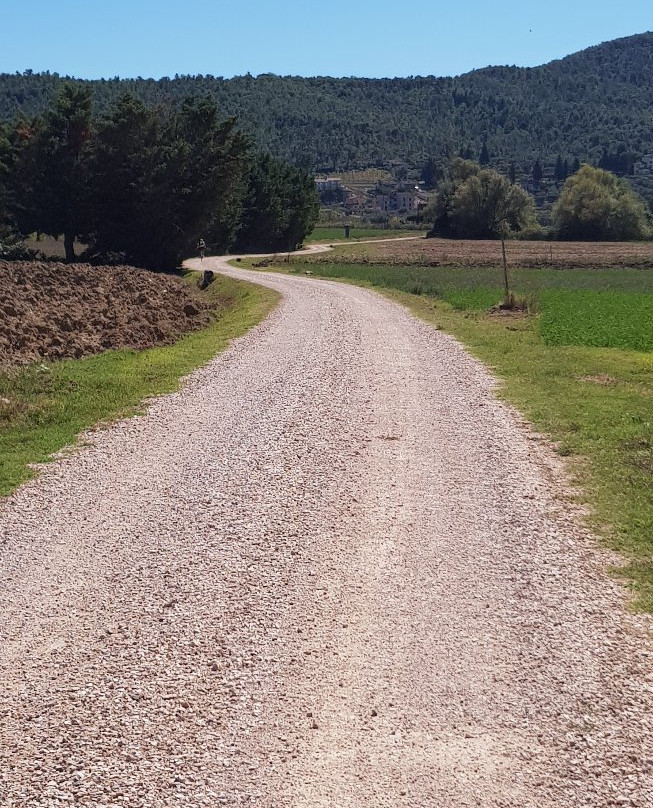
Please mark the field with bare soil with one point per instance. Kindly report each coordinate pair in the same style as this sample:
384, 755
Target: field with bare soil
450, 252
58, 311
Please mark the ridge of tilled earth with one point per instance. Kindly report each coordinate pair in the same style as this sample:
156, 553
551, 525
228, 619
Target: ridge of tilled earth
331, 571
434, 252
57, 311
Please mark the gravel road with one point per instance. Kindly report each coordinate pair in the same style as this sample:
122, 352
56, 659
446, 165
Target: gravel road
333, 571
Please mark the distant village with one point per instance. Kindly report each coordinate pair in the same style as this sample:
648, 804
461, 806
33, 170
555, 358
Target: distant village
383, 194
365, 197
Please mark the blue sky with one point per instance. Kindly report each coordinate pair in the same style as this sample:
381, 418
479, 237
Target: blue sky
290, 37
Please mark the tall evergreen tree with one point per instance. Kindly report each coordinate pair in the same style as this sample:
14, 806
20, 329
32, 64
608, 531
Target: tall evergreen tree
168, 181
537, 173
146, 184
51, 174
429, 174
5, 164
280, 206
559, 171
125, 158
209, 161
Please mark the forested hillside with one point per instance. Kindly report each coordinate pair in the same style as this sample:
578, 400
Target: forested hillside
595, 103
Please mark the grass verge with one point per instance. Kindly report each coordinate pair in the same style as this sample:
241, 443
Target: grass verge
594, 403
44, 407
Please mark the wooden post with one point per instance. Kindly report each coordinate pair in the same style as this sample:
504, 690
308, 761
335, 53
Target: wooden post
505, 266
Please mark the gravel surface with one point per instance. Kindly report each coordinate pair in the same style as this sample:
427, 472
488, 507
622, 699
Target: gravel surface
333, 571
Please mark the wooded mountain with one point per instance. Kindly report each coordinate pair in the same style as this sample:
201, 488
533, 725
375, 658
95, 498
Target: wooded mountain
593, 104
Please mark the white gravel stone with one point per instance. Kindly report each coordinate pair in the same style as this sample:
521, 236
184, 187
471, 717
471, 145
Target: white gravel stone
337, 519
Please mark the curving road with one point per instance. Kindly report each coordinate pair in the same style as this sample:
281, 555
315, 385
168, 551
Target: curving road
333, 571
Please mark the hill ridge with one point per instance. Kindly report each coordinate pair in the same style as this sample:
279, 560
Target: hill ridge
593, 102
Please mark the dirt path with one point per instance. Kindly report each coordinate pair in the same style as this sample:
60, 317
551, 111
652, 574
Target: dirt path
332, 572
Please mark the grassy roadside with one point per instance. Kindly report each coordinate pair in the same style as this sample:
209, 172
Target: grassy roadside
45, 406
595, 404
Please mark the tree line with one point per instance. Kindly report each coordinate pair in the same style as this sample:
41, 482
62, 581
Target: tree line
591, 106
594, 205
142, 184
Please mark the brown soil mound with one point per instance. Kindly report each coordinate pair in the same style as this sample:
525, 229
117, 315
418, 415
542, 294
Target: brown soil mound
57, 311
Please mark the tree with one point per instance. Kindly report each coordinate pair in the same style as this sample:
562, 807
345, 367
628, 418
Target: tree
559, 171
484, 157
50, 191
5, 163
280, 207
480, 203
163, 182
429, 174
145, 183
620, 162
595, 205
125, 157
214, 169
537, 173
400, 173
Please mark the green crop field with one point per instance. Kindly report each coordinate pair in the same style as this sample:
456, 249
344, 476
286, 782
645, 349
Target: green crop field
580, 369
611, 308
437, 280
332, 234
601, 319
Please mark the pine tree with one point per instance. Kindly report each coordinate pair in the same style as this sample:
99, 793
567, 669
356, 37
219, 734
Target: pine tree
5, 168
537, 173
51, 173
280, 206
559, 172
125, 157
162, 183
429, 174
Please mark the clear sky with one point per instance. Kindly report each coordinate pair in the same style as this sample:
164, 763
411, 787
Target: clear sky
154, 38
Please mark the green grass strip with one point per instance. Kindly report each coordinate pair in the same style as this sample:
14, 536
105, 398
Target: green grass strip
45, 406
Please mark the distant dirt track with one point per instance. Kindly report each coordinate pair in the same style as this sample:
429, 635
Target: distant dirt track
333, 571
